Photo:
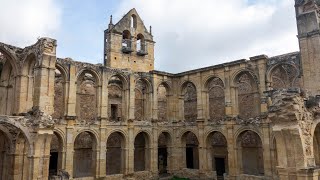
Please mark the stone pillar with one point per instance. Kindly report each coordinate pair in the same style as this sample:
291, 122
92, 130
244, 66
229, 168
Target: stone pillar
155, 98
132, 97
104, 97
69, 147
227, 92
202, 148
154, 151
232, 161
72, 93
200, 102
103, 153
267, 161
130, 154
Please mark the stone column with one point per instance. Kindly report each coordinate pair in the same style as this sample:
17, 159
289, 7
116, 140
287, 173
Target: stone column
227, 92
130, 154
104, 97
72, 93
231, 151
267, 162
69, 147
202, 148
132, 97
103, 153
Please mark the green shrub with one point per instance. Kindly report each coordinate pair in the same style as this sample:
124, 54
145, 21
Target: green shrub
178, 178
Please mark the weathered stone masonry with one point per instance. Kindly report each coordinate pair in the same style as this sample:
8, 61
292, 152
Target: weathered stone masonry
246, 119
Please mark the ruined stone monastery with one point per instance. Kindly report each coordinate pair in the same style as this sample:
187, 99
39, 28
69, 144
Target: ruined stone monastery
247, 119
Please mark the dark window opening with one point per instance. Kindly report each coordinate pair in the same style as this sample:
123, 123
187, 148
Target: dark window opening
220, 166
114, 109
189, 157
162, 160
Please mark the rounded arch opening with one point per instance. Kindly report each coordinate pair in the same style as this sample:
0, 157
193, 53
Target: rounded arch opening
189, 97
56, 154
84, 158
191, 150
7, 85
87, 99
248, 98
141, 152
216, 98
116, 153
164, 149
116, 99
59, 94
283, 76
217, 147
250, 153
162, 93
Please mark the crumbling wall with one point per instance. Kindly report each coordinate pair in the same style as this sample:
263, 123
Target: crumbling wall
216, 99
190, 102
162, 103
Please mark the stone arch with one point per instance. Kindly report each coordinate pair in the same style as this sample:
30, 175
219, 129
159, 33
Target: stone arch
11, 58
164, 151
316, 144
250, 153
217, 152
117, 106
283, 76
163, 101
116, 153
247, 95
56, 153
189, 97
190, 150
84, 157
14, 152
143, 95
87, 96
7, 84
59, 104
142, 152
274, 156
28, 71
216, 98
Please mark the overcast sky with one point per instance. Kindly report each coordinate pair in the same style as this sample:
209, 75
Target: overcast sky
189, 33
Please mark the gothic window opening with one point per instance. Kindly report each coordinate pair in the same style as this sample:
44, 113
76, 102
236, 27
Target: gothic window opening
190, 102
58, 105
115, 98
84, 155
248, 96
87, 98
218, 152
216, 99
7, 86
250, 153
28, 71
284, 76
4, 157
141, 102
191, 151
141, 152
162, 103
126, 42
115, 154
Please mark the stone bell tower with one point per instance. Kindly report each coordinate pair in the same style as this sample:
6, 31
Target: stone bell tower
128, 44
308, 19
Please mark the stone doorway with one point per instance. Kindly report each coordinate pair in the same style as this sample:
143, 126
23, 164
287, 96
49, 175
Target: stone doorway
220, 166
189, 157
53, 165
162, 160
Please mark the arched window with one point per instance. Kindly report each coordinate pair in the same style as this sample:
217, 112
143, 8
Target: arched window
163, 151
284, 76
59, 103
248, 96
216, 99
55, 154
115, 98
190, 102
126, 42
142, 100
141, 45
133, 21
7, 86
162, 103
87, 97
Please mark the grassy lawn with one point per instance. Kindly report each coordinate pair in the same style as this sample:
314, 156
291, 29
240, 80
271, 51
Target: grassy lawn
178, 178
